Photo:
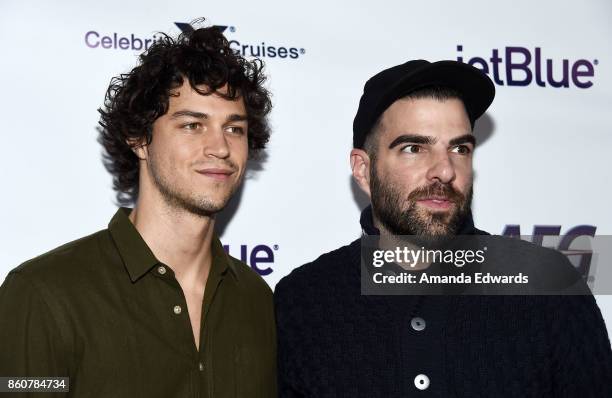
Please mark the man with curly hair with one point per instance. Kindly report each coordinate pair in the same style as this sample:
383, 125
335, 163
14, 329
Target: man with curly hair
153, 306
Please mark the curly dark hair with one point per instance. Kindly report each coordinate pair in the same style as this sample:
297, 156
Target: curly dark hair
136, 99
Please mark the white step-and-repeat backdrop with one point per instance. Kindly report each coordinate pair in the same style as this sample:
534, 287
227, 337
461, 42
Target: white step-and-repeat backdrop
544, 162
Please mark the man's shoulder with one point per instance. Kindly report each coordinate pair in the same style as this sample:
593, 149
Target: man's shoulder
328, 266
249, 279
68, 257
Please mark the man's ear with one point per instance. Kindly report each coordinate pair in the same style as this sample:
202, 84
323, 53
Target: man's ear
138, 147
360, 166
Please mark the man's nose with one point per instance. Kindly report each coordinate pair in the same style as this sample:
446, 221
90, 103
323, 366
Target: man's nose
441, 169
215, 144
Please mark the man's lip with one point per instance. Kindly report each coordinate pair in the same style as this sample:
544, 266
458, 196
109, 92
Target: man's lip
217, 173
214, 170
436, 202
440, 198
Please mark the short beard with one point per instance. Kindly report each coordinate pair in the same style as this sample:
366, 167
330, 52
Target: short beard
388, 202
176, 199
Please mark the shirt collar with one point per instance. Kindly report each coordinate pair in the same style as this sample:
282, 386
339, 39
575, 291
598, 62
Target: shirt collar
138, 257
221, 261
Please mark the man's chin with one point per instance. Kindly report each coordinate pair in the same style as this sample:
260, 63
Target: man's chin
430, 229
435, 222
203, 207
431, 238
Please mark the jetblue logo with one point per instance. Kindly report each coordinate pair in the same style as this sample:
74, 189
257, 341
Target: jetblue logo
520, 66
258, 257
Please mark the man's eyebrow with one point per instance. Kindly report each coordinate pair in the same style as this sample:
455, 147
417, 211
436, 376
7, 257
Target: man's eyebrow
464, 139
236, 117
428, 140
413, 139
186, 112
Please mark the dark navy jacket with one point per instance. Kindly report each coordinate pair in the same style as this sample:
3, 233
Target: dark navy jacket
336, 342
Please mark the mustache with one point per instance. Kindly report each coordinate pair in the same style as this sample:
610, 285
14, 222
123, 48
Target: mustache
437, 189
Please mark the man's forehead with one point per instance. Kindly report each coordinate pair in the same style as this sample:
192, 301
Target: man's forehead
188, 94
445, 118
425, 108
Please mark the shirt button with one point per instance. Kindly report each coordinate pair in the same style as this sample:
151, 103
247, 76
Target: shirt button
417, 323
201, 366
177, 309
421, 382
161, 270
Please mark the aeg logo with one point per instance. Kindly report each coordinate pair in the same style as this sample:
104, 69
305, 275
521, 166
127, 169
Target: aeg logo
541, 231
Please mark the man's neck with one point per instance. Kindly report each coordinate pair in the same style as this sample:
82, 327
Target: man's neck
177, 238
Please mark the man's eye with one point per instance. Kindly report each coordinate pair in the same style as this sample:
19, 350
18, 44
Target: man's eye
191, 126
461, 149
412, 148
235, 130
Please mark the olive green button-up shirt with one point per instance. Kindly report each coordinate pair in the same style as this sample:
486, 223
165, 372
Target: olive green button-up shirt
105, 312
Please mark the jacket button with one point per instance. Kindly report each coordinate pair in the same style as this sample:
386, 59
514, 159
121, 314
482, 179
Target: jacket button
417, 324
177, 309
421, 382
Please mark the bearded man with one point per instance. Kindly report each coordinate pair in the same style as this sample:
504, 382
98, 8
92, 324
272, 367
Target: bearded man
413, 149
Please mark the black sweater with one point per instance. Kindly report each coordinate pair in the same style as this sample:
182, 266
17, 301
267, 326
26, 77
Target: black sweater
335, 342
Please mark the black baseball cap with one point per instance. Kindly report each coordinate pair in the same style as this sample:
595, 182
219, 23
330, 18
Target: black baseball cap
384, 88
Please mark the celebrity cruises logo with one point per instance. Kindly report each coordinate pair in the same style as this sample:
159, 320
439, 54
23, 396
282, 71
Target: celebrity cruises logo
247, 48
